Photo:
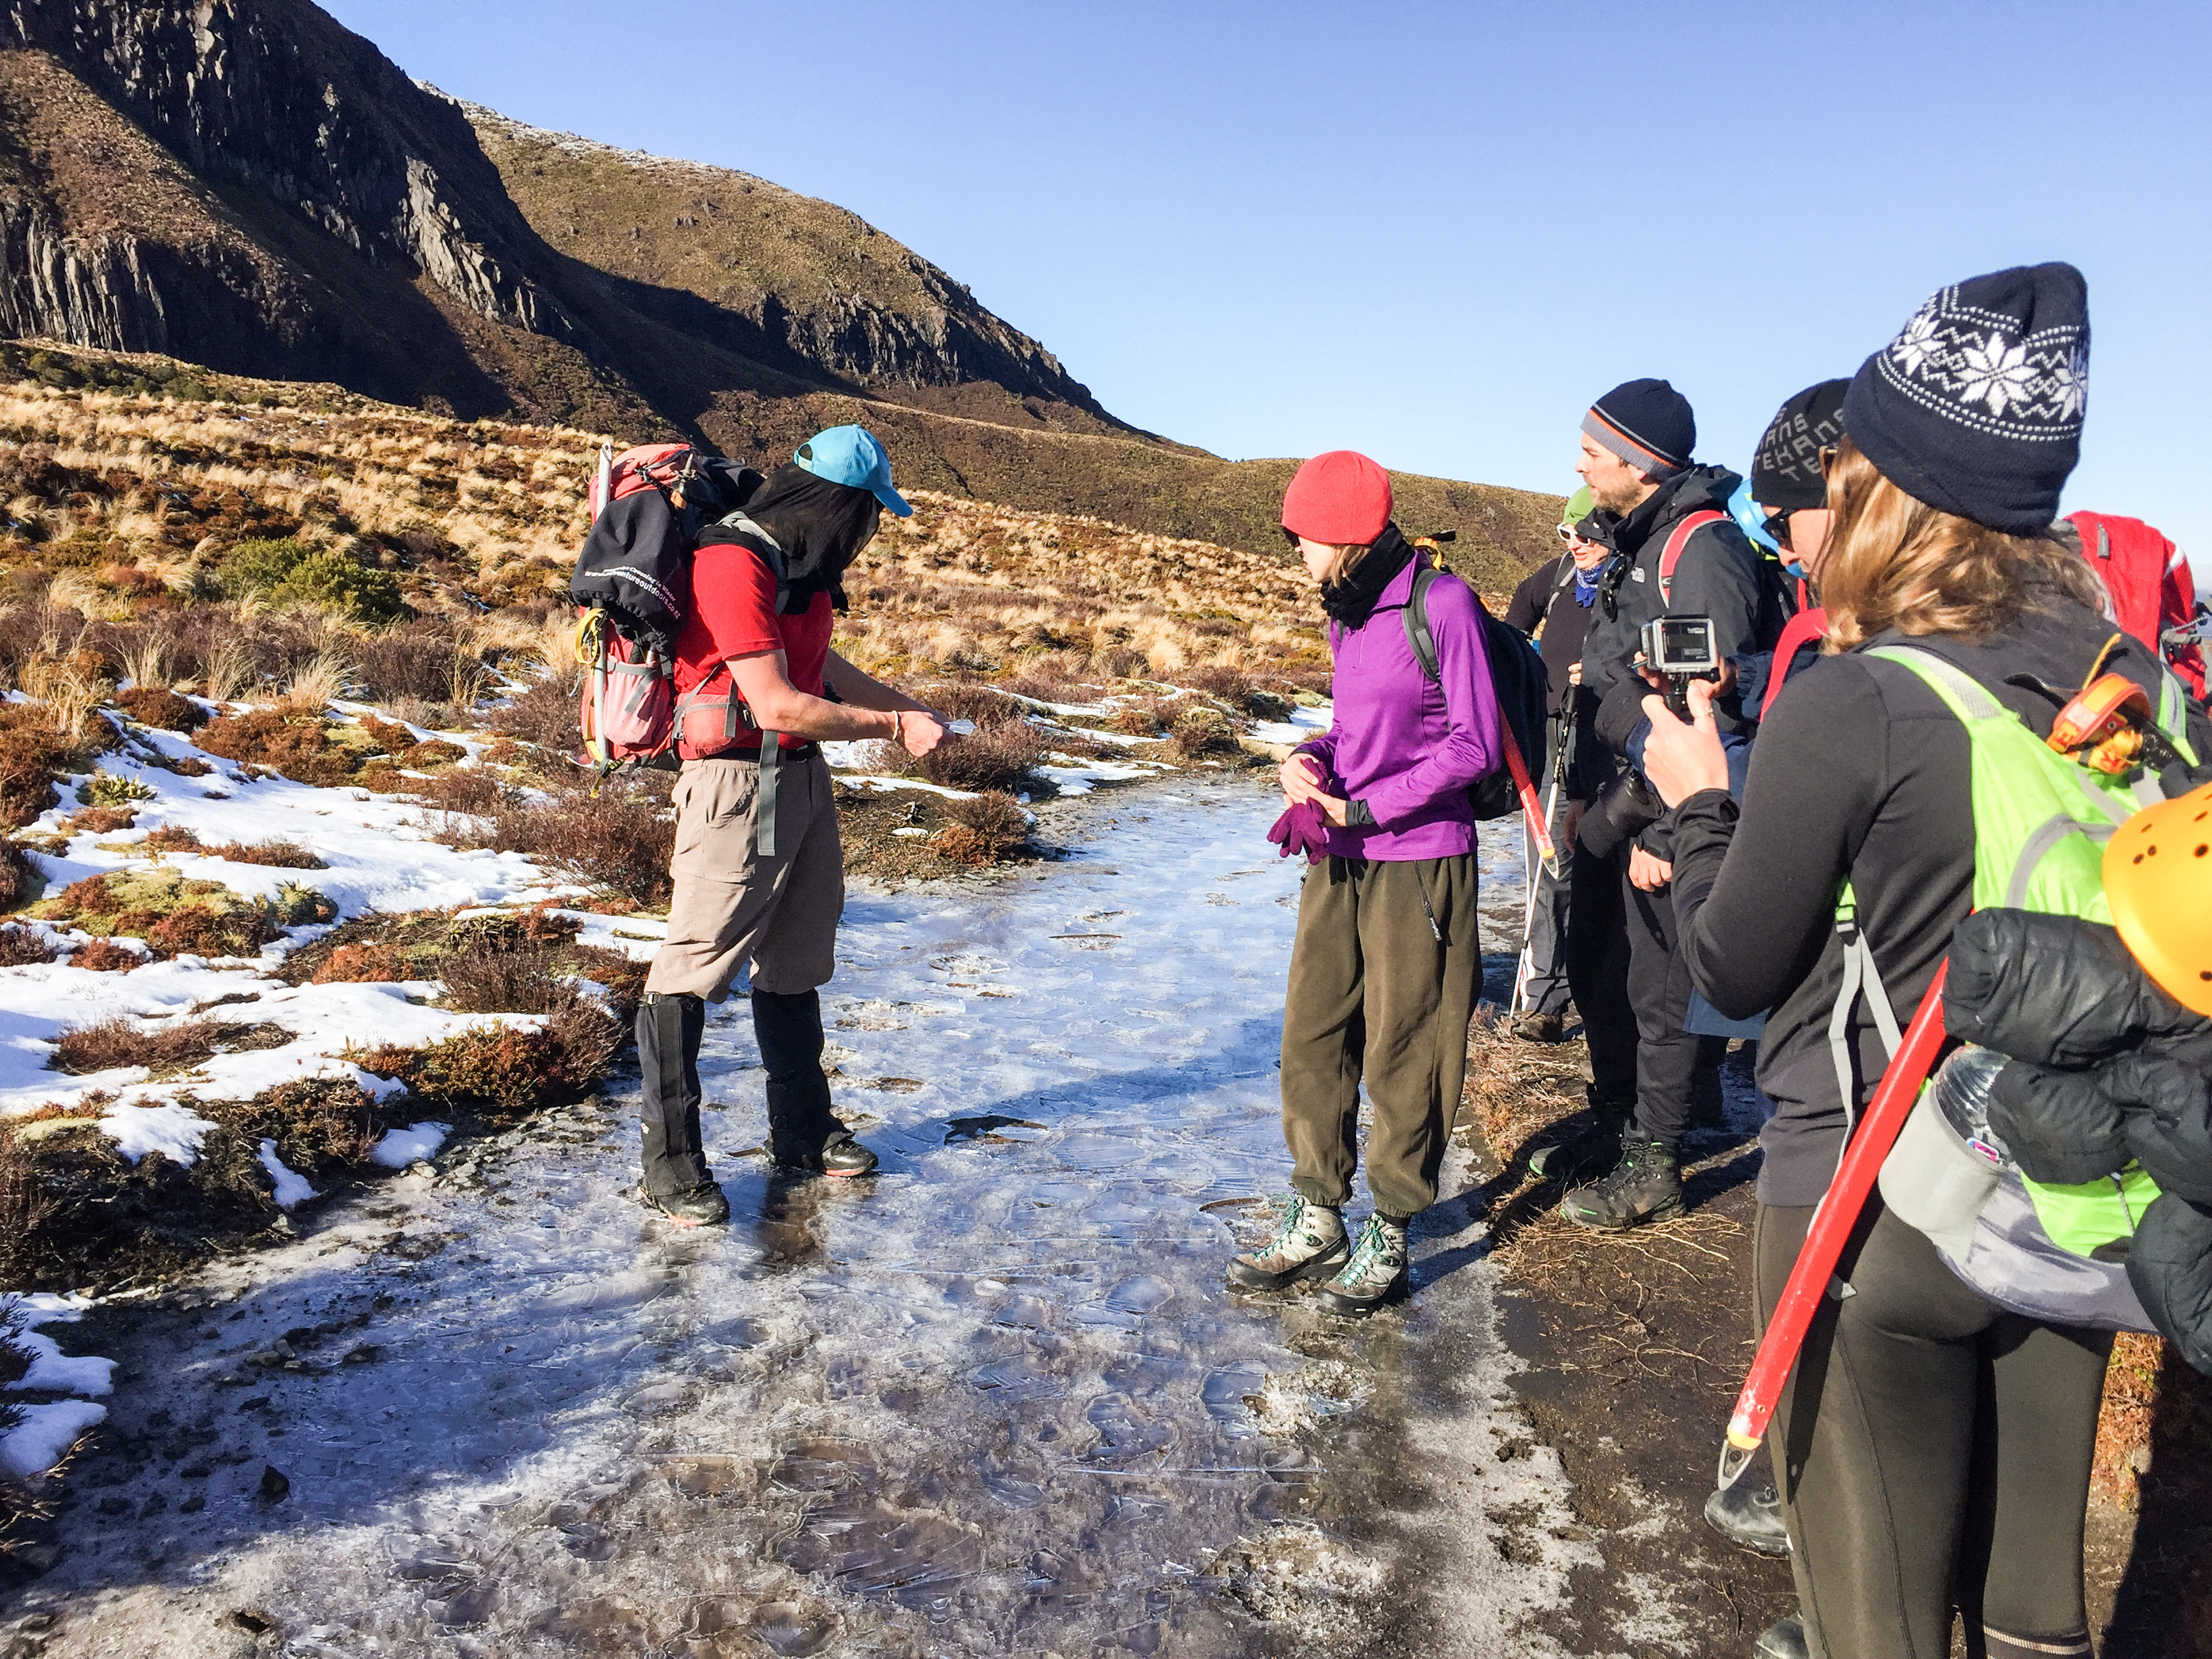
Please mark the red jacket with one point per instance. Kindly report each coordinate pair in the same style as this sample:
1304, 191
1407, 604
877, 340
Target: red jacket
2149, 581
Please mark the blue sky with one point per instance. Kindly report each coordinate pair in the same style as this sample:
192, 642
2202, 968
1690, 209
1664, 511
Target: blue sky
1436, 232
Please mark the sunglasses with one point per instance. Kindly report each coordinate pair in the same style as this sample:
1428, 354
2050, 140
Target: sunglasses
1777, 526
1290, 539
1566, 532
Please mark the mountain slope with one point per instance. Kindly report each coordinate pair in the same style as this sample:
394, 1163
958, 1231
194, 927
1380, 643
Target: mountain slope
246, 185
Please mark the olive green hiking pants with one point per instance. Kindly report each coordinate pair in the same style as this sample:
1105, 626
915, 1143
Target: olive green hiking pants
1379, 995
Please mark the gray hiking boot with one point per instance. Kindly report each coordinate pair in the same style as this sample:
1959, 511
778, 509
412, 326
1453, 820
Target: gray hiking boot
1751, 1516
1786, 1640
1646, 1186
1309, 1244
1375, 1274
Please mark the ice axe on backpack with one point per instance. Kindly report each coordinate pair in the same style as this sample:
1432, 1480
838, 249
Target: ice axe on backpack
1846, 1197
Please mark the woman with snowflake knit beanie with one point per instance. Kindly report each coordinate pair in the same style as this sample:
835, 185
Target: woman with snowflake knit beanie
1933, 1446
1388, 959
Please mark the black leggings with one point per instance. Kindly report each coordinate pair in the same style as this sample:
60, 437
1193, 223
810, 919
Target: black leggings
1933, 1452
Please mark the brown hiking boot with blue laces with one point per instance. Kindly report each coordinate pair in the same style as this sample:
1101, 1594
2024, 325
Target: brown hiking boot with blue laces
1378, 1272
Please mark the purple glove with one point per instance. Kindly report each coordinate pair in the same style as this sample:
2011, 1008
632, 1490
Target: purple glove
1301, 830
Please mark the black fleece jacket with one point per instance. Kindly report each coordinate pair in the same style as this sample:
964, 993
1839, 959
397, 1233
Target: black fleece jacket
1860, 771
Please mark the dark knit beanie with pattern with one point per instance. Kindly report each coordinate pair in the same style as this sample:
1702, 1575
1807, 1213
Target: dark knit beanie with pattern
1976, 408
1648, 425
1786, 474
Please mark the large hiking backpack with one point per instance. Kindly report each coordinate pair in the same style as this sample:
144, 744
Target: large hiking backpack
632, 588
1517, 675
2148, 583
2050, 1251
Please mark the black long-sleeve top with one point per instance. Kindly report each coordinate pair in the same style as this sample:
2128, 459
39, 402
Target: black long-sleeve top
1860, 771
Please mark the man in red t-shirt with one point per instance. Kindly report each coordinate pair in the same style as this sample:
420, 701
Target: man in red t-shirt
758, 871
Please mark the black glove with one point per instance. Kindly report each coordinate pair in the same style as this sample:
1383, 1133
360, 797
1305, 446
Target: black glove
2058, 1126
2170, 1265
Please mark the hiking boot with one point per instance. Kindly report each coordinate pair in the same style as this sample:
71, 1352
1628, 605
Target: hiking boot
1309, 1244
1375, 1274
1587, 1153
1646, 1186
846, 1159
1751, 1516
844, 1156
703, 1206
1532, 1027
1786, 1640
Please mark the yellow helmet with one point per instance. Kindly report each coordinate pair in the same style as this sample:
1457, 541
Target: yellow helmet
2158, 879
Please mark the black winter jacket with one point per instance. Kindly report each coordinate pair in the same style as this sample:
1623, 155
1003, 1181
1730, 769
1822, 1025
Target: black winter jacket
2105, 1069
1860, 770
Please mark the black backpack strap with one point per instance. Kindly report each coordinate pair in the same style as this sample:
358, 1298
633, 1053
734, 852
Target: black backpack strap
1416, 617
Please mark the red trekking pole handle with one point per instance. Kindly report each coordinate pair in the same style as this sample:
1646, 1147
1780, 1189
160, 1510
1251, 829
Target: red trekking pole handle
1893, 1097
1532, 807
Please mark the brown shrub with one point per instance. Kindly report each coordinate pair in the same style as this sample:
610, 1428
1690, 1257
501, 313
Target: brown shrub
134, 922
19, 878
1139, 720
172, 1045
1047, 688
104, 956
1200, 732
92, 896
21, 946
506, 1071
971, 700
545, 713
432, 751
389, 736
543, 924
354, 964
983, 830
415, 661
1232, 685
158, 706
994, 758
24, 1208
299, 749
621, 838
277, 855
472, 789
488, 975
171, 838
33, 753
196, 930
623, 977
99, 820
1122, 662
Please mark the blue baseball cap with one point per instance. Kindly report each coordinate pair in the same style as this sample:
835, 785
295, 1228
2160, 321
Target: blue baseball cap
851, 455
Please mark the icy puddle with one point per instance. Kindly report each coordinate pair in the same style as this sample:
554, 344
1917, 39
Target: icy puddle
996, 1401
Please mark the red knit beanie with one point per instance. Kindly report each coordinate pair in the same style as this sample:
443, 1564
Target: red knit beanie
1341, 498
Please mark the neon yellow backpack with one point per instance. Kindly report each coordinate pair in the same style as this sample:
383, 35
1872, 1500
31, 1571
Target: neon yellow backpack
2041, 823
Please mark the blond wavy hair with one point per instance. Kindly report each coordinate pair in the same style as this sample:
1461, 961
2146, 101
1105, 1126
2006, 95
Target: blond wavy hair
1893, 561
1342, 566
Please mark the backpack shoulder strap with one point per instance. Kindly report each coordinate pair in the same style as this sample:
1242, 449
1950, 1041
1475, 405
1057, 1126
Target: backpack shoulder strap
1416, 618
756, 541
1671, 555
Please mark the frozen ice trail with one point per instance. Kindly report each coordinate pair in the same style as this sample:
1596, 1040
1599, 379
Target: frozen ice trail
996, 1401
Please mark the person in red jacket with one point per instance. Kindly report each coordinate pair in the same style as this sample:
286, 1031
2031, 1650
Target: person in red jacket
759, 874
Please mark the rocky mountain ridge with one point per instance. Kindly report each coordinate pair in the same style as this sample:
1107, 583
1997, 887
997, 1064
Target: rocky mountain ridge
248, 186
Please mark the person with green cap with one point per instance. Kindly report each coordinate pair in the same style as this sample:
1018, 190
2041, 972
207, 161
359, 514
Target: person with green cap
1553, 607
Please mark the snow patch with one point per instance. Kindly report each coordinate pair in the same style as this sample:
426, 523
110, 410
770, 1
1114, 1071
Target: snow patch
167, 1128
401, 1148
291, 1185
44, 1434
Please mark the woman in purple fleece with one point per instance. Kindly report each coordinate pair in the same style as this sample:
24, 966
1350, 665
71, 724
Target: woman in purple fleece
1388, 961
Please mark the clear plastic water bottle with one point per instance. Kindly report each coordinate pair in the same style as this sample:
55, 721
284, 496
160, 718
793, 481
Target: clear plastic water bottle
1962, 1095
